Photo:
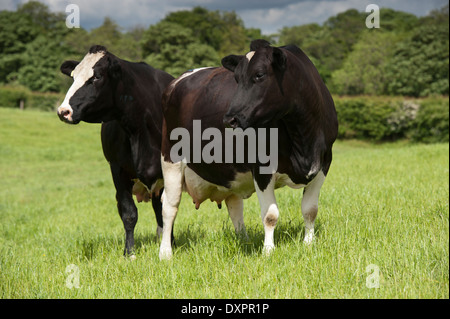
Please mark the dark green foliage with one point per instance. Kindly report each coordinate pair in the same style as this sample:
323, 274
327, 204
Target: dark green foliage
364, 118
173, 48
405, 56
12, 96
391, 118
431, 124
420, 63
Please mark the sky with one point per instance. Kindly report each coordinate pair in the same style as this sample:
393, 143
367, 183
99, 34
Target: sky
268, 15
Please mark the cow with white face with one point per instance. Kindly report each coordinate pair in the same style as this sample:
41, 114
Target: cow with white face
90, 97
126, 98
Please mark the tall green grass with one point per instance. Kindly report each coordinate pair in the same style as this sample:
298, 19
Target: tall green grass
384, 205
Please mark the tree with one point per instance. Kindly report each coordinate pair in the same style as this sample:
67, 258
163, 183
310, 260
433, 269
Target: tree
363, 71
205, 25
30, 48
16, 31
420, 65
170, 47
42, 60
299, 35
224, 31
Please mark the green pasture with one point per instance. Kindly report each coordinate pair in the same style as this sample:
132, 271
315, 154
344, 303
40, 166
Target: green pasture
383, 222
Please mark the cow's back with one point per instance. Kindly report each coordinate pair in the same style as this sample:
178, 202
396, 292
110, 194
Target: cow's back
204, 96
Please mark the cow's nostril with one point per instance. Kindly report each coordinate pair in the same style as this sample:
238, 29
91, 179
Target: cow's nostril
66, 114
233, 122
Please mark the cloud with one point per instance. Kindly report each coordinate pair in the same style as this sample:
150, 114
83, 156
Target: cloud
268, 15
302, 12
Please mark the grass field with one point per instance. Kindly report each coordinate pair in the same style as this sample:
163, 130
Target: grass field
383, 218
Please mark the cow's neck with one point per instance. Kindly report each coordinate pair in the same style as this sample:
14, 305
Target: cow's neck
136, 120
306, 146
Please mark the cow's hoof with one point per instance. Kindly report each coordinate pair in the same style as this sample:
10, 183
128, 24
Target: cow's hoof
132, 257
309, 237
165, 254
267, 250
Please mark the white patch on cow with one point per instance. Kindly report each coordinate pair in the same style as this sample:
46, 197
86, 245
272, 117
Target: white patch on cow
200, 189
310, 205
185, 75
173, 187
235, 206
249, 55
82, 72
269, 213
282, 180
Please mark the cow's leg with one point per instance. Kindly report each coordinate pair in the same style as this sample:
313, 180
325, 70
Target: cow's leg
269, 213
126, 206
310, 205
235, 206
173, 187
157, 208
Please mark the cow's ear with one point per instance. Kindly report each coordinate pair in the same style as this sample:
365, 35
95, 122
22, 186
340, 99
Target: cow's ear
257, 44
279, 66
68, 66
114, 70
279, 59
230, 62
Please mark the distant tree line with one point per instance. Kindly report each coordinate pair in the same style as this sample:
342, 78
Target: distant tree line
407, 55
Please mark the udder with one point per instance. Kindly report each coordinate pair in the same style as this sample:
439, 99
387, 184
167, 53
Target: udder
141, 192
201, 190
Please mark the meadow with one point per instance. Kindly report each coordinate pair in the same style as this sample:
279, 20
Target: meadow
383, 219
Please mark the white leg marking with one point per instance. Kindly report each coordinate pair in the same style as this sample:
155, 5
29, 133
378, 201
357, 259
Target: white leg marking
310, 205
269, 213
235, 206
173, 187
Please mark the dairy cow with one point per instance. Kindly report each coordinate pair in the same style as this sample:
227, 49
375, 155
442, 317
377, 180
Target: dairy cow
276, 90
126, 98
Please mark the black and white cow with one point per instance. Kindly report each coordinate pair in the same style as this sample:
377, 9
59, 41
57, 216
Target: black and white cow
268, 88
126, 98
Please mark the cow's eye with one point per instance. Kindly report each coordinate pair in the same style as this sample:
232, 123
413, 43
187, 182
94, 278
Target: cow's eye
96, 78
259, 76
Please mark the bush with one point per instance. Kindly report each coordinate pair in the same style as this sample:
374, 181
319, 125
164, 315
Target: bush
392, 118
432, 122
44, 101
11, 96
365, 117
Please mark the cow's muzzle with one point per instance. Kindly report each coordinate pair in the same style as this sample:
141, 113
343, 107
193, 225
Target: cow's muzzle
231, 121
65, 114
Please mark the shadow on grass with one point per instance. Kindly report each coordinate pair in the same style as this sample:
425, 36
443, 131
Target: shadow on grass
188, 238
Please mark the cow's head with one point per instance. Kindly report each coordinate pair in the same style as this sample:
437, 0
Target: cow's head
259, 97
90, 98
